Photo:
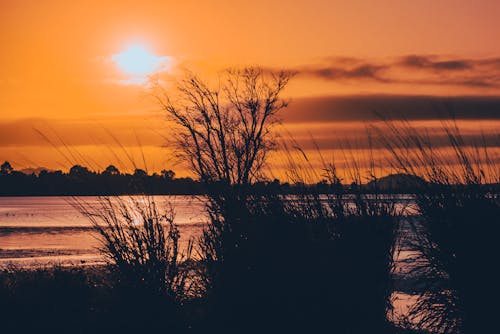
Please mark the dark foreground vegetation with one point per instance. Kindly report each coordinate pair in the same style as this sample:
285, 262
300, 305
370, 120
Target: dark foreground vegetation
263, 264
271, 262
457, 252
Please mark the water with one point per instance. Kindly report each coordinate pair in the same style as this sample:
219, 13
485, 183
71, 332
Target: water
43, 231
51, 230
48, 230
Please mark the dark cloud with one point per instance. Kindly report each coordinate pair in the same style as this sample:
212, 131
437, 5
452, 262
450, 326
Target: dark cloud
370, 107
430, 62
364, 71
493, 62
473, 83
345, 68
411, 69
359, 140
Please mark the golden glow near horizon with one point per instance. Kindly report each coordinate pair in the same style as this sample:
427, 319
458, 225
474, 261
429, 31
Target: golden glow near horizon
78, 67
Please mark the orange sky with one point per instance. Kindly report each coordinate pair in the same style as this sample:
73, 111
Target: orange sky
57, 73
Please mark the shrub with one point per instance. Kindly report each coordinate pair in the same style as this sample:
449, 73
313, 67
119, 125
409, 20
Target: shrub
302, 262
150, 273
455, 242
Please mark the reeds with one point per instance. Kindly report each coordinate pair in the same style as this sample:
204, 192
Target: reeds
303, 262
141, 243
361, 231
47, 300
455, 247
150, 274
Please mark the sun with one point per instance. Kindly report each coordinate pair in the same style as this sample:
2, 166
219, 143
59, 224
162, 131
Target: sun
137, 61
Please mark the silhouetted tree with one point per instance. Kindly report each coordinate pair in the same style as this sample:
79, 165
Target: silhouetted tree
6, 168
225, 133
78, 170
167, 174
81, 181
111, 170
140, 173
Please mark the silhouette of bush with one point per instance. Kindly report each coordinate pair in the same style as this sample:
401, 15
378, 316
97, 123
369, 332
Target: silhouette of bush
46, 300
303, 262
455, 242
359, 233
149, 271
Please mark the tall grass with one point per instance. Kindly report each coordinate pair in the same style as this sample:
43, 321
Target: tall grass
48, 300
243, 255
302, 262
362, 231
150, 273
456, 254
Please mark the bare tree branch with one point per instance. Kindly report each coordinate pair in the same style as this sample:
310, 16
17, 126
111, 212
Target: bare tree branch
225, 133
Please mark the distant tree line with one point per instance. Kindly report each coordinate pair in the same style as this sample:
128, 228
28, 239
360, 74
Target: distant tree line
82, 181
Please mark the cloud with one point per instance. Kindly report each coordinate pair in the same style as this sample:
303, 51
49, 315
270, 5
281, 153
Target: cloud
400, 107
429, 70
363, 71
331, 121
303, 114
359, 140
432, 62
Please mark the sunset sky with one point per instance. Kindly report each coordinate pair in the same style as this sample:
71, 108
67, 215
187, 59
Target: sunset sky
69, 80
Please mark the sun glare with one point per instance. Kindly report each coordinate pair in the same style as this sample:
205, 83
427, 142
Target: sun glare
138, 61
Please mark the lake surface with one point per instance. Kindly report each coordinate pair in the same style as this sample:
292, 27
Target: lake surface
43, 231
51, 230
